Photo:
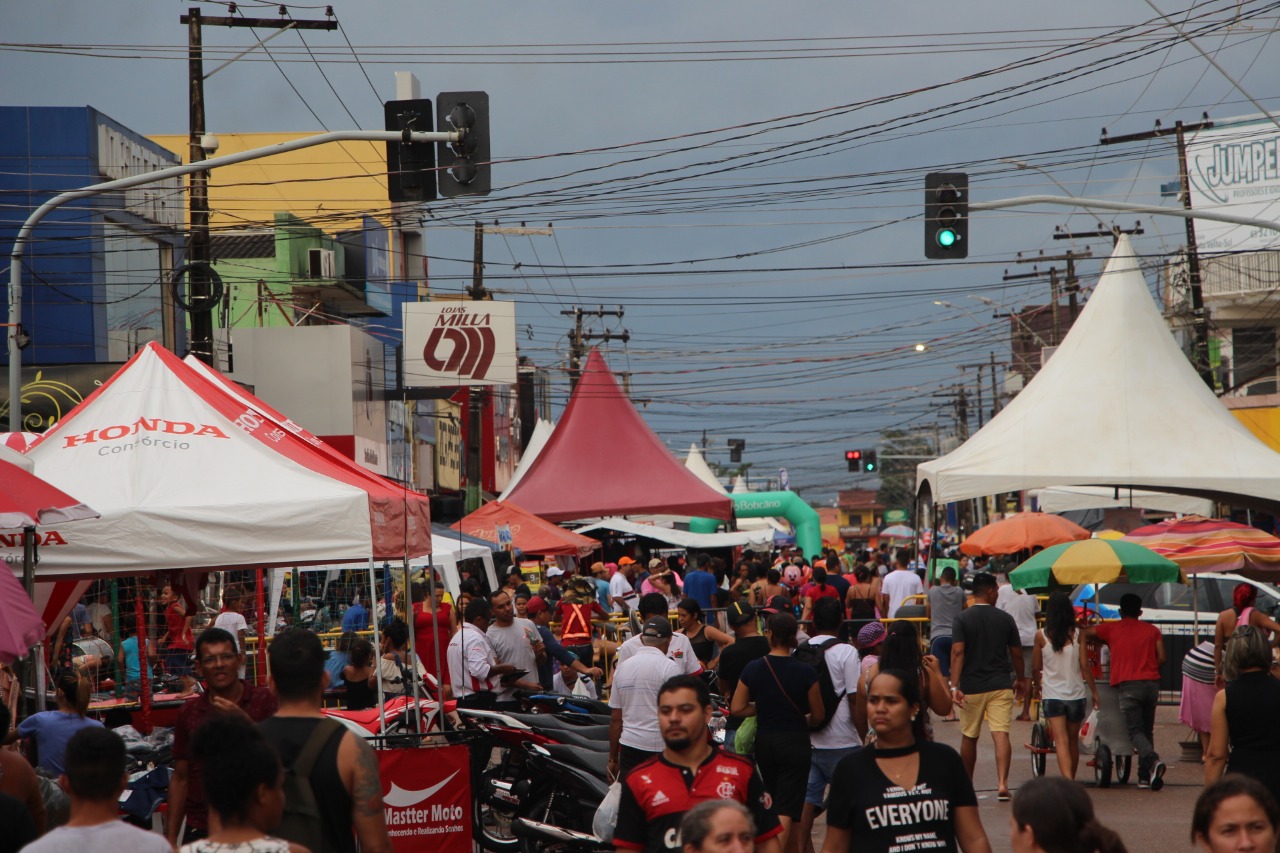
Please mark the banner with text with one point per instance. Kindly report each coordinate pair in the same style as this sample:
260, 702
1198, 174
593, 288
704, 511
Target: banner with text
426, 793
1235, 169
459, 343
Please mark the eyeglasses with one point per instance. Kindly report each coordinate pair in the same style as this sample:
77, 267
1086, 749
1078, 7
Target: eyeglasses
213, 660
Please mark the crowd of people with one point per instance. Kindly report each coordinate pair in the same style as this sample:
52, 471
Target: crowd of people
832, 706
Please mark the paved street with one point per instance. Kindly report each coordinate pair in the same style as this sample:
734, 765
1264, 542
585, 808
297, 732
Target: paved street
1145, 820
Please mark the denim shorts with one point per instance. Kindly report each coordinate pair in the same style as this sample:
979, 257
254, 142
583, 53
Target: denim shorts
822, 767
1072, 709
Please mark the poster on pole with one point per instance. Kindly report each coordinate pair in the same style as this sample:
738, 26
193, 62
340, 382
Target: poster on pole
1235, 168
451, 344
426, 794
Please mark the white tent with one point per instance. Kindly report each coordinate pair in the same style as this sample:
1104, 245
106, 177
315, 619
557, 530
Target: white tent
188, 476
697, 463
681, 538
445, 554
1068, 498
538, 440
1117, 405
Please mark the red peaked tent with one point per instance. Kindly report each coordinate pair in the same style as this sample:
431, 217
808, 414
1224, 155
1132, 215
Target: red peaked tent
603, 460
529, 533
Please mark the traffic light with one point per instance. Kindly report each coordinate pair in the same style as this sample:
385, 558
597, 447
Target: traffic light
464, 165
735, 449
410, 165
946, 215
853, 458
869, 465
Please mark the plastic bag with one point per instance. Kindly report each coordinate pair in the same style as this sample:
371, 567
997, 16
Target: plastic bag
744, 740
1088, 732
607, 813
581, 690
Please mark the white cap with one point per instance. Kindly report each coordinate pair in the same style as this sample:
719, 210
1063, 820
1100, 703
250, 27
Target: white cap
555, 572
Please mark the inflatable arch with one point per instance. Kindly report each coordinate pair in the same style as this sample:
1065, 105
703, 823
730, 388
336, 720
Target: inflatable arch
786, 505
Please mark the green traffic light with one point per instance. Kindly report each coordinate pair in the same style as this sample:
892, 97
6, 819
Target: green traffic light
946, 238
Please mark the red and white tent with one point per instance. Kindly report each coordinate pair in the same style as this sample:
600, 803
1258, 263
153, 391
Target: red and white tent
187, 475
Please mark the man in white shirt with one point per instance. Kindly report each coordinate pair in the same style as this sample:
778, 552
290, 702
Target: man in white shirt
899, 585
680, 649
1023, 608
515, 641
838, 737
622, 595
474, 671
634, 734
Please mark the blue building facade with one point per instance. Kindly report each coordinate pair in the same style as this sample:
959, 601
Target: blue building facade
96, 270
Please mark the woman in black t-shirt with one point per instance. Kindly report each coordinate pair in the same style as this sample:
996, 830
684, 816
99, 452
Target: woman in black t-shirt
784, 697
904, 793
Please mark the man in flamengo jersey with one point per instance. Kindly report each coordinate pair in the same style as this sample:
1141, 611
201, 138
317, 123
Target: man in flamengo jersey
690, 770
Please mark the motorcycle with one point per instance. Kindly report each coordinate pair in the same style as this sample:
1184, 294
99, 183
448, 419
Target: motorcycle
551, 806
401, 715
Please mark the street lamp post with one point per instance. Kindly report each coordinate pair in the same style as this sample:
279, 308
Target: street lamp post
24, 234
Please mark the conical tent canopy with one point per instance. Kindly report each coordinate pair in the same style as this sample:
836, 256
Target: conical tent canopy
697, 463
1117, 405
529, 533
603, 460
189, 476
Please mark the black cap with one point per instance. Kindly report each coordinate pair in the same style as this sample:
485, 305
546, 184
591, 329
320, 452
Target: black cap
777, 604
658, 627
740, 613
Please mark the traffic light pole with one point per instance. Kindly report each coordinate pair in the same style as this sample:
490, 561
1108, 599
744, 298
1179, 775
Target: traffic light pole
24, 234
1123, 207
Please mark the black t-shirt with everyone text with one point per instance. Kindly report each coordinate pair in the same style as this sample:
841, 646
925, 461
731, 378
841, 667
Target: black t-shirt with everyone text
987, 634
735, 658
883, 817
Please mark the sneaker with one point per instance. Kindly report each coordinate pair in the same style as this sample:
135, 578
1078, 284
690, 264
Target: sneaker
1143, 784
1157, 776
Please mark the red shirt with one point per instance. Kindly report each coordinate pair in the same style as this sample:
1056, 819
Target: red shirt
179, 634
431, 632
1133, 649
258, 702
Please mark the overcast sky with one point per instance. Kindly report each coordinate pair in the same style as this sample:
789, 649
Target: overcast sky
744, 178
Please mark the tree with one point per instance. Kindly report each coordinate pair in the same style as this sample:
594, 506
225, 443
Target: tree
898, 476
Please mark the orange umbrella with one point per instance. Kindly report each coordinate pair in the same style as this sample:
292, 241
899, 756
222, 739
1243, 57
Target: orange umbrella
1020, 532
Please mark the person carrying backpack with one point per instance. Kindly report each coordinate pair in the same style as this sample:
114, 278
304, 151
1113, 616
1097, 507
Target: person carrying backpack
837, 665
332, 792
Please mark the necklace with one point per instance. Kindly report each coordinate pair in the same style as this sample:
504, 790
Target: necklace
896, 751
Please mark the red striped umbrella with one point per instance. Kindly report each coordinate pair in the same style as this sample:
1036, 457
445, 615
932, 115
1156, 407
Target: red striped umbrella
1201, 544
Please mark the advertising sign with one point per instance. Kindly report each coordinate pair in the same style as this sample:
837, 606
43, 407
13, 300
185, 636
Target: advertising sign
450, 344
426, 794
448, 445
1235, 169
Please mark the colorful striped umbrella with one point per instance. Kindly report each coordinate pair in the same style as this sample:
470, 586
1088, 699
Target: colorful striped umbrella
1020, 532
1095, 561
1200, 544
897, 531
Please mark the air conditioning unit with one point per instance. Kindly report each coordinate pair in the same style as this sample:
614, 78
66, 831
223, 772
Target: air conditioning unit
320, 263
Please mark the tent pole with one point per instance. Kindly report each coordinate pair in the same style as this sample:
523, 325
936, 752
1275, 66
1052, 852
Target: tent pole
260, 668
144, 660
377, 645
31, 669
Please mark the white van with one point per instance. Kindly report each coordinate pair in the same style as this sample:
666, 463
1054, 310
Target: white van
1164, 603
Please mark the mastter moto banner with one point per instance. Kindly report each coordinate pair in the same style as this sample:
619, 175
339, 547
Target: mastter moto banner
427, 798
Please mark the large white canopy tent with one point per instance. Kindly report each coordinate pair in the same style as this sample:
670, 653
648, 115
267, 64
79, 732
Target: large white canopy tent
538, 440
1074, 498
1117, 405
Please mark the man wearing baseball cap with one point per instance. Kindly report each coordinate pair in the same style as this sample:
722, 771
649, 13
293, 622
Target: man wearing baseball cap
622, 595
634, 735
748, 645
680, 650
540, 614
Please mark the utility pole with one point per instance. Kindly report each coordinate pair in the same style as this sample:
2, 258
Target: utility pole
475, 398
1071, 284
578, 337
1199, 316
201, 344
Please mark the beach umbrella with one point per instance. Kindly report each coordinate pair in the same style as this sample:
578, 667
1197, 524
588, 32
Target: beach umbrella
897, 531
1095, 561
1200, 544
1021, 532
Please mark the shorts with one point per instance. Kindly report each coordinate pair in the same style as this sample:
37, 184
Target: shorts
783, 760
996, 707
940, 648
822, 768
1072, 709
1027, 652
177, 661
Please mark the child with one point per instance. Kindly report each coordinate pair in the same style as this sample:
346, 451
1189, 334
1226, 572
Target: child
244, 786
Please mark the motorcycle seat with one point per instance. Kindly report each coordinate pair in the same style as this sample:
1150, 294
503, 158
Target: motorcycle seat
595, 763
579, 742
552, 722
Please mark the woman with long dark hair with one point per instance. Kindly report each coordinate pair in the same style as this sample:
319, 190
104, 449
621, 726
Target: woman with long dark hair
707, 642
1053, 815
901, 651
921, 784
1060, 668
784, 696
434, 621
52, 729
358, 677
1243, 737
864, 592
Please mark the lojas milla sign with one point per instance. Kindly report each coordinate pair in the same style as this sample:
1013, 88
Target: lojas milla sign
450, 344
